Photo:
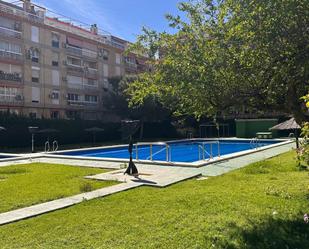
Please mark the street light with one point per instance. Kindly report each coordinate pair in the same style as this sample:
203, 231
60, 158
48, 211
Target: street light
32, 130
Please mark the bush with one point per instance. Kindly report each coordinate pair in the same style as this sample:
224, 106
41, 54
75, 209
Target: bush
303, 152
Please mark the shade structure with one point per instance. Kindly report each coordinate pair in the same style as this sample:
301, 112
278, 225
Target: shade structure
290, 124
94, 130
48, 131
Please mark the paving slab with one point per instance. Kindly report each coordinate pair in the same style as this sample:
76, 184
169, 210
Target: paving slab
35, 210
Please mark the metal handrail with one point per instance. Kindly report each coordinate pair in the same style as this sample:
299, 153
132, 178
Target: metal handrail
202, 148
47, 146
55, 145
254, 143
167, 148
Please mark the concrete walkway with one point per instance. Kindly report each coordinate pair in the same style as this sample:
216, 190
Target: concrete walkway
151, 175
50, 206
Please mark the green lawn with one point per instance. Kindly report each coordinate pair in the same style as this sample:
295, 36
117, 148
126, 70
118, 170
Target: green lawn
25, 185
260, 206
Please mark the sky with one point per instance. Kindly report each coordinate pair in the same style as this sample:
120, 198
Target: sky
123, 18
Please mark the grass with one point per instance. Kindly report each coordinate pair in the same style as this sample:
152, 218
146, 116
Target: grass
25, 185
260, 206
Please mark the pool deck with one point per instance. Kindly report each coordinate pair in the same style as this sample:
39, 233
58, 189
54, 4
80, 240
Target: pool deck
151, 175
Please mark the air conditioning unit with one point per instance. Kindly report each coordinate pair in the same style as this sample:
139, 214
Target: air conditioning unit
64, 45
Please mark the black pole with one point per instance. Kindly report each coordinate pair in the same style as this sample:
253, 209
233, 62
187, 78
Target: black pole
131, 170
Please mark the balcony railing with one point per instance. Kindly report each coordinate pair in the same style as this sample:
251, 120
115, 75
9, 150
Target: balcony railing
20, 13
10, 55
11, 101
80, 103
91, 72
74, 51
81, 52
87, 86
10, 33
74, 68
15, 77
82, 86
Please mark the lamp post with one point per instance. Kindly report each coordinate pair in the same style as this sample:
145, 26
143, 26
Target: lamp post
32, 130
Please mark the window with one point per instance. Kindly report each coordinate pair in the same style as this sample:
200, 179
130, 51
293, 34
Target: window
73, 97
118, 58
92, 65
33, 115
10, 72
104, 53
55, 59
54, 114
8, 93
55, 40
35, 77
117, 71
73, 114
91, 82
34, 34
55, 78
34, 55
55, 96
10, 47
91, 98
36, 95
105, 70
75, 82
74, 62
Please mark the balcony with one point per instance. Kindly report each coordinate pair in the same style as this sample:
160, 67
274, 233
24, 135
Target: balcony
82, 103
11, 101
74, 50
20, 13
75, 68
91, 73
11, 55
11, 33
81, 52
90, 87
14, 77
82, 86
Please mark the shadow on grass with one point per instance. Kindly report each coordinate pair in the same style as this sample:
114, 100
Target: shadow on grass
274, 233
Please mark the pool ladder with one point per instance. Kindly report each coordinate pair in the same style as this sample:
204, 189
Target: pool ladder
166, 148
255, 143
202, 150
47, 146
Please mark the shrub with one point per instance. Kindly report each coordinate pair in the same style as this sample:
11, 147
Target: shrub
303, 152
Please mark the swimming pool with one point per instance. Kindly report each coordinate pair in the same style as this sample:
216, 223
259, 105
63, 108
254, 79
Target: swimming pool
183, 151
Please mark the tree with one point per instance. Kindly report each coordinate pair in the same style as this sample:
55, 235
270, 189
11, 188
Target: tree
151, 110
229, 53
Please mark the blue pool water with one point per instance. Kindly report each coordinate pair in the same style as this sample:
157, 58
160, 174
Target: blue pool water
183, 151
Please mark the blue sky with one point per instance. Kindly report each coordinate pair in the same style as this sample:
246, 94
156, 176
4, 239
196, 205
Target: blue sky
123, 18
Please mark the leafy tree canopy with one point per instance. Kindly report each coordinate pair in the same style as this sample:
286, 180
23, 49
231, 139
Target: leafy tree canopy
229, 53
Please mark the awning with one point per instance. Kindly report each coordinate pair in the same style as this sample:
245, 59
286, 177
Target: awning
74, 42
90, 46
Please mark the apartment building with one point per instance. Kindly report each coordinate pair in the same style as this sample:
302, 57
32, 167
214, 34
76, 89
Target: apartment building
53, 68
